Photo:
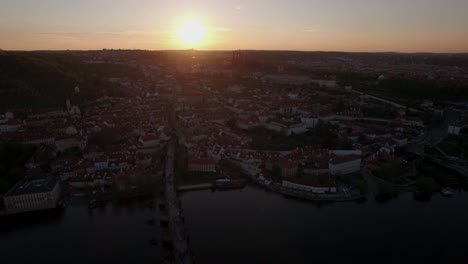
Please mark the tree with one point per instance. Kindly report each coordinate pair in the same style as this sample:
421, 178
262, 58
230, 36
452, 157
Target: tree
426, 184
276, 173
4, 185
340, 106
384, 192
361, 185
231, 122
344, 143
105, 137
15, 174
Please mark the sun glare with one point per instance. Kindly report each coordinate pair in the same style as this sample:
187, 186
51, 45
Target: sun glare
190, 33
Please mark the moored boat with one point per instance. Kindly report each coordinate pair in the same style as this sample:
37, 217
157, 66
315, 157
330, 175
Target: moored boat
446, 192
230, 184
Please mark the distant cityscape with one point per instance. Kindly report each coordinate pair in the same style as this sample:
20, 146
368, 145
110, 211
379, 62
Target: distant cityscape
315, 126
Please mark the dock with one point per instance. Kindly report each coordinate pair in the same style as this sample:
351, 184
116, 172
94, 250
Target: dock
195, 187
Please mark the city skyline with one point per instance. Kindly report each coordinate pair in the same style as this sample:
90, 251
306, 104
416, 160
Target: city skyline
362, 25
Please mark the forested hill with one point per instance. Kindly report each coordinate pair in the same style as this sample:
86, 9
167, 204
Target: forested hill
36, 80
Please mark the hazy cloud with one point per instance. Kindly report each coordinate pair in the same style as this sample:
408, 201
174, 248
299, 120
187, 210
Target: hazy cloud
219, 29
104, 33
239, 7
310, 30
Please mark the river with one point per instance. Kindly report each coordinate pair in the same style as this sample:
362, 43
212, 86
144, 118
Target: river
116, 233
251, 225
256, 226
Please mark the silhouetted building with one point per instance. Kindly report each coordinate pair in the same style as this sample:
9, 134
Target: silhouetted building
237, 59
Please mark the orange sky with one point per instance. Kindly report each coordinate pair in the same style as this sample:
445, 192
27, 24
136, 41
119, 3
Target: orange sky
358, 25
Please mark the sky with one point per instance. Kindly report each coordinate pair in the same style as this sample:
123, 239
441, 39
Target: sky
309, 25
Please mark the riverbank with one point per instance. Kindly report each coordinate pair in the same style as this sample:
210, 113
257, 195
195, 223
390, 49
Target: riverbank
331, 197
340, 196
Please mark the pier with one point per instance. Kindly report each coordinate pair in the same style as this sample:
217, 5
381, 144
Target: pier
195, 187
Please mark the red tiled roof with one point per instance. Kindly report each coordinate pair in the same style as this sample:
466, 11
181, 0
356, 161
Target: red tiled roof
343, 159
202, 161
149, 138
283, 162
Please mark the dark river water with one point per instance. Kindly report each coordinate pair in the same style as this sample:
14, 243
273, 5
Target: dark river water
249, 226
117, 233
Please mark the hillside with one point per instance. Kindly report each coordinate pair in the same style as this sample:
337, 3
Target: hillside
37, 80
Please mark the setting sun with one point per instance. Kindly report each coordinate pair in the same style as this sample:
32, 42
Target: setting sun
190, 32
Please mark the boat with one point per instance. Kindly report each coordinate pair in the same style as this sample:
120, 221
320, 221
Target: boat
230, 184
446, 192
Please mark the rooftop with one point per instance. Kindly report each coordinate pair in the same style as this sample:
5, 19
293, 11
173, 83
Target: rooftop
37, 183
202, 161
343, 159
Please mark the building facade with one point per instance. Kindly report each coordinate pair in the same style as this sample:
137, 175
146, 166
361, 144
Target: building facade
201, 165
35, 193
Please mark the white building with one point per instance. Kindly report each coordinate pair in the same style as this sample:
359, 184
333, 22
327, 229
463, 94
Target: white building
310, 122
251, 166
197, 164
38, 192
307, 185
149, 141
216, 152
454, 130
101, 163
287, 127
344, 162
413, 122
9, 125
46, 140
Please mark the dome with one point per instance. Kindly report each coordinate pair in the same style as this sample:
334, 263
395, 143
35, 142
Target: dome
71, 131
9, 115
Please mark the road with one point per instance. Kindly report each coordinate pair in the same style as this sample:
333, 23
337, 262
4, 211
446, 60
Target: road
433, 136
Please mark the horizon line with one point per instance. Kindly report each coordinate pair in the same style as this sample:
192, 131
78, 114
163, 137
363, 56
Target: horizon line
230, 50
